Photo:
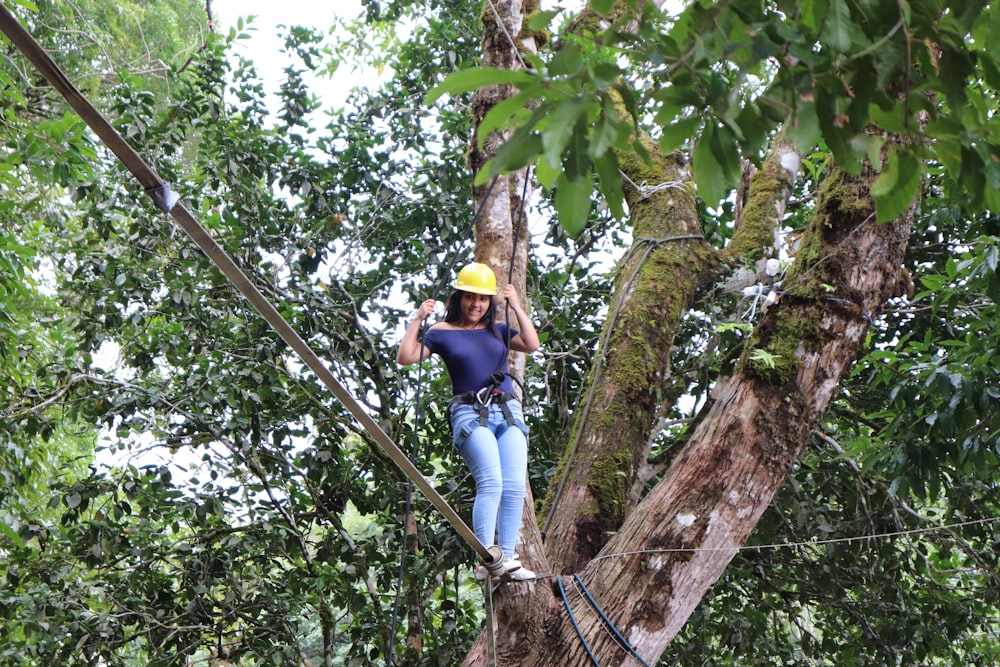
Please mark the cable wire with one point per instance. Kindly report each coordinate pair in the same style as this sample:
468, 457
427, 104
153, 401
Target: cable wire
607, 622
576, 626
510, 40
804, 543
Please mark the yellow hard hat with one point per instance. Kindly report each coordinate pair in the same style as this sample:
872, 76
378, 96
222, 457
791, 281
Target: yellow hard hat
477, 278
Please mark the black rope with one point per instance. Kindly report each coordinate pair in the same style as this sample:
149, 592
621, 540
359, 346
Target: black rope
513, 253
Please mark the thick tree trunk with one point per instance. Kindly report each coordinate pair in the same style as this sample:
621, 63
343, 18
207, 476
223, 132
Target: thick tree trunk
648, 568
631, 386
630, 379
675, 545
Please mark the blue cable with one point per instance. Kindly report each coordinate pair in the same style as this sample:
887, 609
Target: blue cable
624, 642
572, 618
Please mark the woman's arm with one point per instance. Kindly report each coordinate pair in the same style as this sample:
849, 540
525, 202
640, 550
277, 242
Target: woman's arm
410, 348
527, 338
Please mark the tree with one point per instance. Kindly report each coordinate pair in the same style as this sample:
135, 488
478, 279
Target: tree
748, 439
48, 153
248, 519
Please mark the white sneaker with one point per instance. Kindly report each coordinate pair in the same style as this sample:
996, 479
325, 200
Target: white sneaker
511, 565
520, 574
512, 570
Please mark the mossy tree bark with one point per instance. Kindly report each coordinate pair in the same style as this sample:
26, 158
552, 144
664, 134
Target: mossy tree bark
650, 564
676, 543
630, 383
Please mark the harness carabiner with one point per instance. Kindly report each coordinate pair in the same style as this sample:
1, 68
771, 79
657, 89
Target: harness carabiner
490, 393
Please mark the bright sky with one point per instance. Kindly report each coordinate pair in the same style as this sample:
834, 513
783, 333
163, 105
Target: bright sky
290, 12
265, 44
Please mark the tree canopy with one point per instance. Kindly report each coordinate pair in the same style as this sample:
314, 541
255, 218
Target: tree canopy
201, 497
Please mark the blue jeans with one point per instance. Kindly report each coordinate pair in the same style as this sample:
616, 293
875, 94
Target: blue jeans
497, 457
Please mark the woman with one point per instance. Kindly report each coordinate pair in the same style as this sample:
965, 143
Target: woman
487, 421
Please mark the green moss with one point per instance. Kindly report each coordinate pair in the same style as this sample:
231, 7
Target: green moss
609, 479
541, 37
845, 195
759, 219
781, 345
814, 264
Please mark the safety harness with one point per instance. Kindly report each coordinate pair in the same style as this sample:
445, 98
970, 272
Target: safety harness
482, 398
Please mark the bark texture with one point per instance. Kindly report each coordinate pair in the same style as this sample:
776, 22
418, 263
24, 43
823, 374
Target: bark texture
630, 381
648, 566
671, 549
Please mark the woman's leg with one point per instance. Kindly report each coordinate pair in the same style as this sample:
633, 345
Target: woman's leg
481, 455
513, 448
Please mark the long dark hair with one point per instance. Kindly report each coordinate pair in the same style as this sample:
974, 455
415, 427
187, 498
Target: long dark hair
453, 312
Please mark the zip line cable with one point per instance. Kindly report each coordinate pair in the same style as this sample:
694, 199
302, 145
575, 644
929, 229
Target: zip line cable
169, 202
805, 543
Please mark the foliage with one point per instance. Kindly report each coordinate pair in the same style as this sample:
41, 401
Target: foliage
723, 77
224, 527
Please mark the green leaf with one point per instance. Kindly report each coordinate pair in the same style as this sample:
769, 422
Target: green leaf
807, 14
507, 113
678, 133
546, 174
804, 128
897, 186
470, 80
573, 202
838, 28
892, 120
610, 178
9, 533
674, 100
608, 132
972, 173
764, 357
576, 159
566, 61
606, 75
725, 147
542, 19
560, 126
602, 7
709, 175
515, 153
991, 72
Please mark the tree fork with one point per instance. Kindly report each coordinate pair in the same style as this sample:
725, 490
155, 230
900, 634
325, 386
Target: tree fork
683, 534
